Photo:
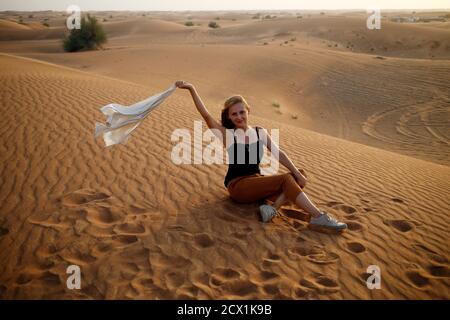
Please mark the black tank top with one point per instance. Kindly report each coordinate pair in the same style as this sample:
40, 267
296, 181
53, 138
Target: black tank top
244, 159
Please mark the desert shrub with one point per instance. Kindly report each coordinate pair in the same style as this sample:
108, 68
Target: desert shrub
213, 24
188, 23
90, 36
46, 24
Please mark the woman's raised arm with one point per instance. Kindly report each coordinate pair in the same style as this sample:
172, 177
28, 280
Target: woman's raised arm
210, 121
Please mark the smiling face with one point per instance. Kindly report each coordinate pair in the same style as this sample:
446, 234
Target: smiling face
238, 114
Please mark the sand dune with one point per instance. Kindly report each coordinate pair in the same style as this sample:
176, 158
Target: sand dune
395, 99
141, 227
12, 25
395, 104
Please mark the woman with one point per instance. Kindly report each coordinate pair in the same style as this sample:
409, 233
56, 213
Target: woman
244, 181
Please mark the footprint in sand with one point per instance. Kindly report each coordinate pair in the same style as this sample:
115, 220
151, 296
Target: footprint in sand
50, 278
327, 284
78, 256
347, 209
315, 254
3, 231
354, 226
23, 278
418, 278
400, 225
227, 273
356, 247
333, 203
203, 240
103, 215
439, 271
221, 275
270, 260
268, 275
271, 289
174, 279
124, 239
321, 284
240, 287
130, 228
340, 206
82, 196
273, 257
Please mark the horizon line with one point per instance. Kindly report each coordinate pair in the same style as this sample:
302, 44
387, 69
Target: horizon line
236, 10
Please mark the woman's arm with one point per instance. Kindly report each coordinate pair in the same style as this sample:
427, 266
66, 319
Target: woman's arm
210, 121
285, 160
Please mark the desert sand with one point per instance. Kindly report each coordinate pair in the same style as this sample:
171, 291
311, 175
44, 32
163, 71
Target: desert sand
365, 113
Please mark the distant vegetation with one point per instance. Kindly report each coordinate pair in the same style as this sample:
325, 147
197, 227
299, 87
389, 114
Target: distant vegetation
45, 24
188, 23
213, 24
90, 36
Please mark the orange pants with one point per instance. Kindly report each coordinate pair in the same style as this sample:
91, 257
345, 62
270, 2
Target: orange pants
257, 187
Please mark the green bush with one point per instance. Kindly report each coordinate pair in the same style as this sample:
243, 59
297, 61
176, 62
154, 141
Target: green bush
213, 24
90, 36
188, 23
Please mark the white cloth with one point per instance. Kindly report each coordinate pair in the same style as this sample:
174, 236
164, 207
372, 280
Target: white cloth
122, 120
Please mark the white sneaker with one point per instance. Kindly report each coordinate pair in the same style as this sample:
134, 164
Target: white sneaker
325, 220
267, 212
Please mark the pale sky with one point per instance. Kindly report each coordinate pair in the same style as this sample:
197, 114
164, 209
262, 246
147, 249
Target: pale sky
179, 5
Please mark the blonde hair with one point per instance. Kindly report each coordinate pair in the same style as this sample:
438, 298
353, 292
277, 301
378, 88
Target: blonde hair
231, 101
